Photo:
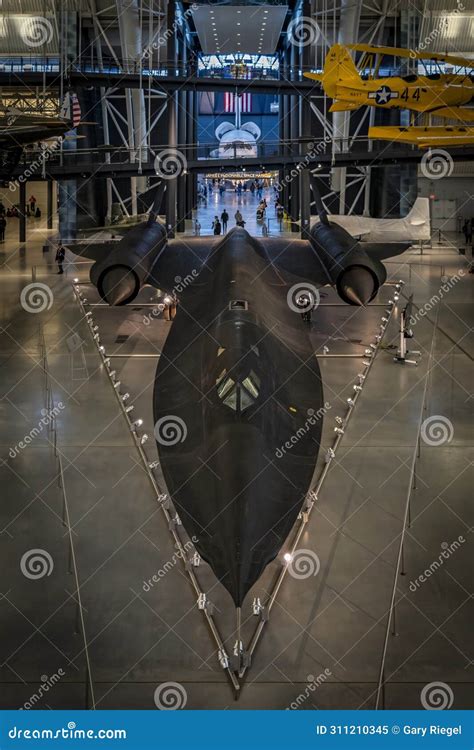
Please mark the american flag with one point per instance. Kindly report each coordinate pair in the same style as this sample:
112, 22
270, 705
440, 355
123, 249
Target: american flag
76, 110
245, 102
71, 109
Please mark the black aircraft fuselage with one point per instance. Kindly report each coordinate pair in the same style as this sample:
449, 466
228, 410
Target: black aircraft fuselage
238, 370
238, 402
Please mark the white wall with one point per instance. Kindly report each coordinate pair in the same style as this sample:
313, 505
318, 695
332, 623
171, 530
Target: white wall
458, 188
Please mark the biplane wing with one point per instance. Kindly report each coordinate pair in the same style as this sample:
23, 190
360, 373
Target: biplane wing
462, 114
424, 137
401, 52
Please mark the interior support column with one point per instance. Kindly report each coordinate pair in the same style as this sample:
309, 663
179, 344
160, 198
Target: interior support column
49, 205
171, 184
22, 212
305, 132
294, 185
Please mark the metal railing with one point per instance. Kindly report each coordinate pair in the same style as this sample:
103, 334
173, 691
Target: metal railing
89, 699
400, 561
368, 358
172, 521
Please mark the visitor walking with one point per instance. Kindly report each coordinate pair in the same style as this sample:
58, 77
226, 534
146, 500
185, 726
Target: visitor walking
224, 219
60, 254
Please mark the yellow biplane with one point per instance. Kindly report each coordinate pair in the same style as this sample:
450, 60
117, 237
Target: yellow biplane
445, 95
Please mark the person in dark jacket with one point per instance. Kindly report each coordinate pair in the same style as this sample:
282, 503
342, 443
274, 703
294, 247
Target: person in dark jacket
216, 225
3, 226
60, 254
224, 219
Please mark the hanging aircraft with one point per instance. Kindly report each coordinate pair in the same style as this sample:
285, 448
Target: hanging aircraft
238, 377
446, 95
19, 129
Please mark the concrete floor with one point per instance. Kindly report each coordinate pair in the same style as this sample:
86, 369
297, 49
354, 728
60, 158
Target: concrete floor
138, 637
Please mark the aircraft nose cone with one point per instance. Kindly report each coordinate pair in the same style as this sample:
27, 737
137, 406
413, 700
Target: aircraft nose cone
118, 285
357, 286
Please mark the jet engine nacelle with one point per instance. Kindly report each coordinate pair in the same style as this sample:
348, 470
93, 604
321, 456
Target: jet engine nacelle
356, 276
121, 275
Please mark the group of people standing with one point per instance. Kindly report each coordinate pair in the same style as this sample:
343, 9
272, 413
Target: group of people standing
219, 225
12, 212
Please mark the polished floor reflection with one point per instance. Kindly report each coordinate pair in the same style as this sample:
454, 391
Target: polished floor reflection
140, 634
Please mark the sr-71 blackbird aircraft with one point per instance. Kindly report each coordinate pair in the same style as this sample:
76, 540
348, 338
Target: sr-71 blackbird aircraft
238, 375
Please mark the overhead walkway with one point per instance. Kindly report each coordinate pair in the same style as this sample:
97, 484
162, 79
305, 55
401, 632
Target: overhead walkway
17, 73
110, 161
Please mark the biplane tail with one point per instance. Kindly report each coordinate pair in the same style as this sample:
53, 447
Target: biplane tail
339, 70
